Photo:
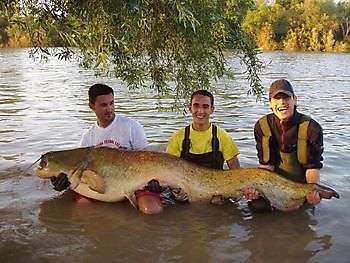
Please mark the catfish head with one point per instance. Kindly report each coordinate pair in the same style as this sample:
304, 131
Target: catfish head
55, 162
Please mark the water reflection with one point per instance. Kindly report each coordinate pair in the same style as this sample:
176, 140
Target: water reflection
127, 230
10, 98
288, 233
216, 233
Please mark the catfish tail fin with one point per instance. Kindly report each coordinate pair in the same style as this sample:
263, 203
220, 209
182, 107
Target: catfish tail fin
325, 191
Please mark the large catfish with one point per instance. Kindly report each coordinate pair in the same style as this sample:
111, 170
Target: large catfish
111, 175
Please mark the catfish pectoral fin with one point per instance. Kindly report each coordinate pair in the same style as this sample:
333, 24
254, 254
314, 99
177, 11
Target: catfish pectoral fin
94, 181
292, 207
74, 178
283, 204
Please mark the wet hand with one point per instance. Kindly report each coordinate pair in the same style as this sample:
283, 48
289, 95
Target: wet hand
313, 198
251, 193
217, 200
153, 186
267, 166
60, 182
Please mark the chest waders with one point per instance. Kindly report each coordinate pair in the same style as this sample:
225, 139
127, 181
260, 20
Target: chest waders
213, 159
291, 163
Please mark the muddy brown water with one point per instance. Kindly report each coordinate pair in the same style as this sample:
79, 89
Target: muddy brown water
43, 107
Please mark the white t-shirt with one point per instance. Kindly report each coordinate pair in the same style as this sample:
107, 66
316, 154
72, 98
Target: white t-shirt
123, 133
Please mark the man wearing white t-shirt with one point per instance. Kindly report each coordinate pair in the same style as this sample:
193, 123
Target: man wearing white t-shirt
115, 132
122, 133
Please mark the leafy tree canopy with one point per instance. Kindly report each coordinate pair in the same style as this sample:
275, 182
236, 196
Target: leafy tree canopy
169, 45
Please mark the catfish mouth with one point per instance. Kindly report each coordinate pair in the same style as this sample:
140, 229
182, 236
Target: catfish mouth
43, 163
40, 169
41, 173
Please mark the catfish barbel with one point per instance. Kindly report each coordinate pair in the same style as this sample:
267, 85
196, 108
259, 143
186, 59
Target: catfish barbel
110, 175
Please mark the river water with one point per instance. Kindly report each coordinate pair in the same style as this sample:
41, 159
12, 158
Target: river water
43, 107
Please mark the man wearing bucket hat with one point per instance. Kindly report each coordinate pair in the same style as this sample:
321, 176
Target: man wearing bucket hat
288, 142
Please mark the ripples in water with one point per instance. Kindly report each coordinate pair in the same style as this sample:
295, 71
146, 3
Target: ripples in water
44, 107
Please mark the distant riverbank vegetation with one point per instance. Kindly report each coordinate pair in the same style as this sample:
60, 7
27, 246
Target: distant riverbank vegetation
309, 25
290, 25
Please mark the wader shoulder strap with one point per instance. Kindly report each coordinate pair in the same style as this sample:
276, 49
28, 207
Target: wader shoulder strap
265, 128
186, 142
302, 139
215, 141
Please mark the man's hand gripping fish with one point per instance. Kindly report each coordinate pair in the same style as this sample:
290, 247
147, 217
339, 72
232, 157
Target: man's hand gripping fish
110, 175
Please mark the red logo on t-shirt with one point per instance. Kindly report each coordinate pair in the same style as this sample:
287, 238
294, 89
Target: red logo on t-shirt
110, 143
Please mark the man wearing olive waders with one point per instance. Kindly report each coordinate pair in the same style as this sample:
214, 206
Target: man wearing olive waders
287, 142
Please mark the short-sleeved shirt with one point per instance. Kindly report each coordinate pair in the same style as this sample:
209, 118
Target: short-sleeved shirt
123, 132
201, 142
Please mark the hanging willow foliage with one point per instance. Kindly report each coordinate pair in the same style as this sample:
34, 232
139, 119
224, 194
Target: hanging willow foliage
171, 46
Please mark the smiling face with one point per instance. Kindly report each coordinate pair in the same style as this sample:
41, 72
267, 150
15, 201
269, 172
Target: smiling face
201, 109
104, 109
283, 106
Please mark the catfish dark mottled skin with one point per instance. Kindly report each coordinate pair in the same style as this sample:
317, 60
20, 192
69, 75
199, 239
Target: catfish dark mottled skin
111, 175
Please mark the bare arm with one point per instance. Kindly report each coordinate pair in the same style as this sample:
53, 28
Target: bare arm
267, 166
313, 176
233, 163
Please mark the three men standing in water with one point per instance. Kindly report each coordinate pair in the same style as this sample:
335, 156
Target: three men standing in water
287, 142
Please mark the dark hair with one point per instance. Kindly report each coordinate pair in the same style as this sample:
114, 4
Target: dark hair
203, 93
97, 90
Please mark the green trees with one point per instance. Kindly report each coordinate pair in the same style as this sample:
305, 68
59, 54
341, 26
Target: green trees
11, 33
342, 14
307, 25
171, 45
4, 23
267, 25
168, 45
313, 29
